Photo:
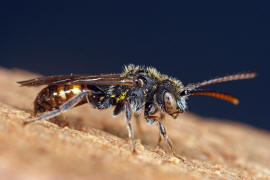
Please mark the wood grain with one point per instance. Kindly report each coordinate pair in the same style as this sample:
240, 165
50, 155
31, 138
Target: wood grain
89, 144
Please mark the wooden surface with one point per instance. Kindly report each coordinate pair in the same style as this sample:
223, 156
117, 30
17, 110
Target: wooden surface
89, 144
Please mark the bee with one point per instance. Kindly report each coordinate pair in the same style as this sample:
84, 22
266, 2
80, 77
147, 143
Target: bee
138, 89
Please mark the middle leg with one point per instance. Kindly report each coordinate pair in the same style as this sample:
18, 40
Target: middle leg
129, 125
138, 124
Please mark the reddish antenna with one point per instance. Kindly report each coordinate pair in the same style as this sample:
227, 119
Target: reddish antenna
192, 88
219, 95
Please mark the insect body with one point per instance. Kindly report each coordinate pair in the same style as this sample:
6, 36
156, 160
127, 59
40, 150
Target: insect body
53, 96
136, 89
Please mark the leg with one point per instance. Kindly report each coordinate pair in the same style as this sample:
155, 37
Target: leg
129, 125
63, 108
159, 140
138, 124
104, 103
149, 110
94, 100
150, 120
166, 137
163, 133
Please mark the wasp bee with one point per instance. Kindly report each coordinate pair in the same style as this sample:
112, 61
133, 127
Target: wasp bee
137, 89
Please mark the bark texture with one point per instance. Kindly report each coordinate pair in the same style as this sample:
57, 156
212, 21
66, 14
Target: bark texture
86, 143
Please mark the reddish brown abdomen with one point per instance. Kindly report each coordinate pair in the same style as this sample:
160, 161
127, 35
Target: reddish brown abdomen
52, 97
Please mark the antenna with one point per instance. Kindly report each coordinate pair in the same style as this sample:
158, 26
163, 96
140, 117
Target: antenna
219, 95
191, 89
239, 76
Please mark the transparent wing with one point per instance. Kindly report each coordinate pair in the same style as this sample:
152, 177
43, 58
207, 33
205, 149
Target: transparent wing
102, 79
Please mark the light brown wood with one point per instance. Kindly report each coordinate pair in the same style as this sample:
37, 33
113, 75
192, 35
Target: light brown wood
89, 144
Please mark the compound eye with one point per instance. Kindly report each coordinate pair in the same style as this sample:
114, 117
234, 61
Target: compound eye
170, 103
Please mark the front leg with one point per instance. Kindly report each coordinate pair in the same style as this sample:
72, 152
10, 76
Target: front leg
150, 119
163, 132
149, 110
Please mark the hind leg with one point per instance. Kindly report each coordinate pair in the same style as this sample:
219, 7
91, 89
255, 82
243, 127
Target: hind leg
63, 108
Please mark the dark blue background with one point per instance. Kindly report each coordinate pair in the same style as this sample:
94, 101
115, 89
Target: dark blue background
191, 40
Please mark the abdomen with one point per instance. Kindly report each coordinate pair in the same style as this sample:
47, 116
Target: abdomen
52, 97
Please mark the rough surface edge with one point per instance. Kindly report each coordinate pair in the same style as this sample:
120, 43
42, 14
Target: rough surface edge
89, 144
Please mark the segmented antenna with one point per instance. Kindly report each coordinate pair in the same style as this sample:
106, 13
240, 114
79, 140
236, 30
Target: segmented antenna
247, 75
219, 95
191, 89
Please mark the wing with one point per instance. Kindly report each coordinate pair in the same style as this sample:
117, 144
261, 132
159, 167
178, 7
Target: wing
102, 79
